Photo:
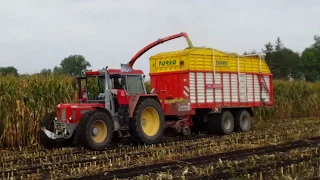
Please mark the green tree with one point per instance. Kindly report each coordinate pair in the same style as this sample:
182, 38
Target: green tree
58, 70
268, 53
73, 65
46, 72
284, 63
248, 53
9, 70
310, 64
279, 45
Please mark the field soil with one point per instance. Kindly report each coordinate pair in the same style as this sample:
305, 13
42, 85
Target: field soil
274, 149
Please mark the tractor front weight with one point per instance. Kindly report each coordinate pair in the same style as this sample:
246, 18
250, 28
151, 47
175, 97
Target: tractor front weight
61, 130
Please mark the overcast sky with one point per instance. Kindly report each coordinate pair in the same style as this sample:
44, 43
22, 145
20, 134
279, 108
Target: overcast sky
36, 34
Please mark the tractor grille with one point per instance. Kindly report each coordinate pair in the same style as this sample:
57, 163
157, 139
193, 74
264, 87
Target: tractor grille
58, 114
61, 114
60, 126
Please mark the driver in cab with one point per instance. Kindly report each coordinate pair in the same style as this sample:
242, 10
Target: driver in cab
120, 93
123, 102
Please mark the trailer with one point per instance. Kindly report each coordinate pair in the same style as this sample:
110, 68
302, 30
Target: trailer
219, 90
194, 87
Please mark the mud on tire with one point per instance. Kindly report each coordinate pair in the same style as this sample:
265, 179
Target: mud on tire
95, 131
148, 122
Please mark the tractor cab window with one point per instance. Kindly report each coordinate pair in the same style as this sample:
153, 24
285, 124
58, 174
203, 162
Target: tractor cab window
134, 84
95, 87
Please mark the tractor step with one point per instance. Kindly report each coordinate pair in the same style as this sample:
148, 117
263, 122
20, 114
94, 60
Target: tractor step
124, 133
124, 128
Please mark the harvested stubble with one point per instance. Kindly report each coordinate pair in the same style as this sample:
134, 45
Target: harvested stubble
266, 166
19, 119
264, 133
68, 164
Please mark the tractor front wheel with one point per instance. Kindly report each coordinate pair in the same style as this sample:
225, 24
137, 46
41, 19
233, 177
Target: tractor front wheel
148, 122
95, 131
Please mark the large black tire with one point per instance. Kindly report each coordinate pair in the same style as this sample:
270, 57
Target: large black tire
46, 142
213, 123
243, 121
150, 113
84, 131
199, 124
76, 142
221, 123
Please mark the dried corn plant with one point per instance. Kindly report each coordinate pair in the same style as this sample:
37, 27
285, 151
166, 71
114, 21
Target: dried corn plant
297, 99
25, 100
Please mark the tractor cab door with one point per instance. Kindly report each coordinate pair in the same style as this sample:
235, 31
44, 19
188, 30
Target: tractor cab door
133, 84
116, 85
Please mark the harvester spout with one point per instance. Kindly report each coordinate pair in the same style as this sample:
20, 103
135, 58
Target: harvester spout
155, 43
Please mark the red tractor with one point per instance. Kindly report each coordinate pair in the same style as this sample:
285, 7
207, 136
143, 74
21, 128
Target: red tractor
122, 106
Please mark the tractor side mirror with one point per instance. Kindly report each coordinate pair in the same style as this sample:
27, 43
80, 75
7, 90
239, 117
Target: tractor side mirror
144, 76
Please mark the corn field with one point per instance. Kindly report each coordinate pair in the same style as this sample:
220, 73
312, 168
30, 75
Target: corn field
25, 100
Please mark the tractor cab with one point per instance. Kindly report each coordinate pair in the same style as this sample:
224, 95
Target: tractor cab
92, 84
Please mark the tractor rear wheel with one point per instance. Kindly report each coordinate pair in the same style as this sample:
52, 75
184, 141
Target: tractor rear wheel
45, 141
95, 131
148, 123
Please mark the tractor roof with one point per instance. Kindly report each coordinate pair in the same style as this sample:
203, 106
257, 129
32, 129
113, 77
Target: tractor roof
114, 71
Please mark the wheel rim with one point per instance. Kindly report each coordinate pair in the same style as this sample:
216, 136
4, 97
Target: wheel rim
99, 131
227, 123
150, 121
245, 121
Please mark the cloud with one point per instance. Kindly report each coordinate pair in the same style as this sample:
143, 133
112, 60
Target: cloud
38, 34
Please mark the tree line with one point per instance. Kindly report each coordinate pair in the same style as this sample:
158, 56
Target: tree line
284, 62
71, 65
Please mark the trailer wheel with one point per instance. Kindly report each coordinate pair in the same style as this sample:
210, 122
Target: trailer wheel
95, 131
148, 123
243, 121
221, 123
45, 141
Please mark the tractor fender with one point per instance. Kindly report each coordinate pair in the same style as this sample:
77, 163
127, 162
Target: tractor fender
116, 124
135, 99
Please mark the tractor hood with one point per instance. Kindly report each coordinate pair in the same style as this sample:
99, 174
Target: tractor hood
79, 105
73, 112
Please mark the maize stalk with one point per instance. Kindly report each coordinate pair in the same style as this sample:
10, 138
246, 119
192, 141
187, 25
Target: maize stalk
25, 100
